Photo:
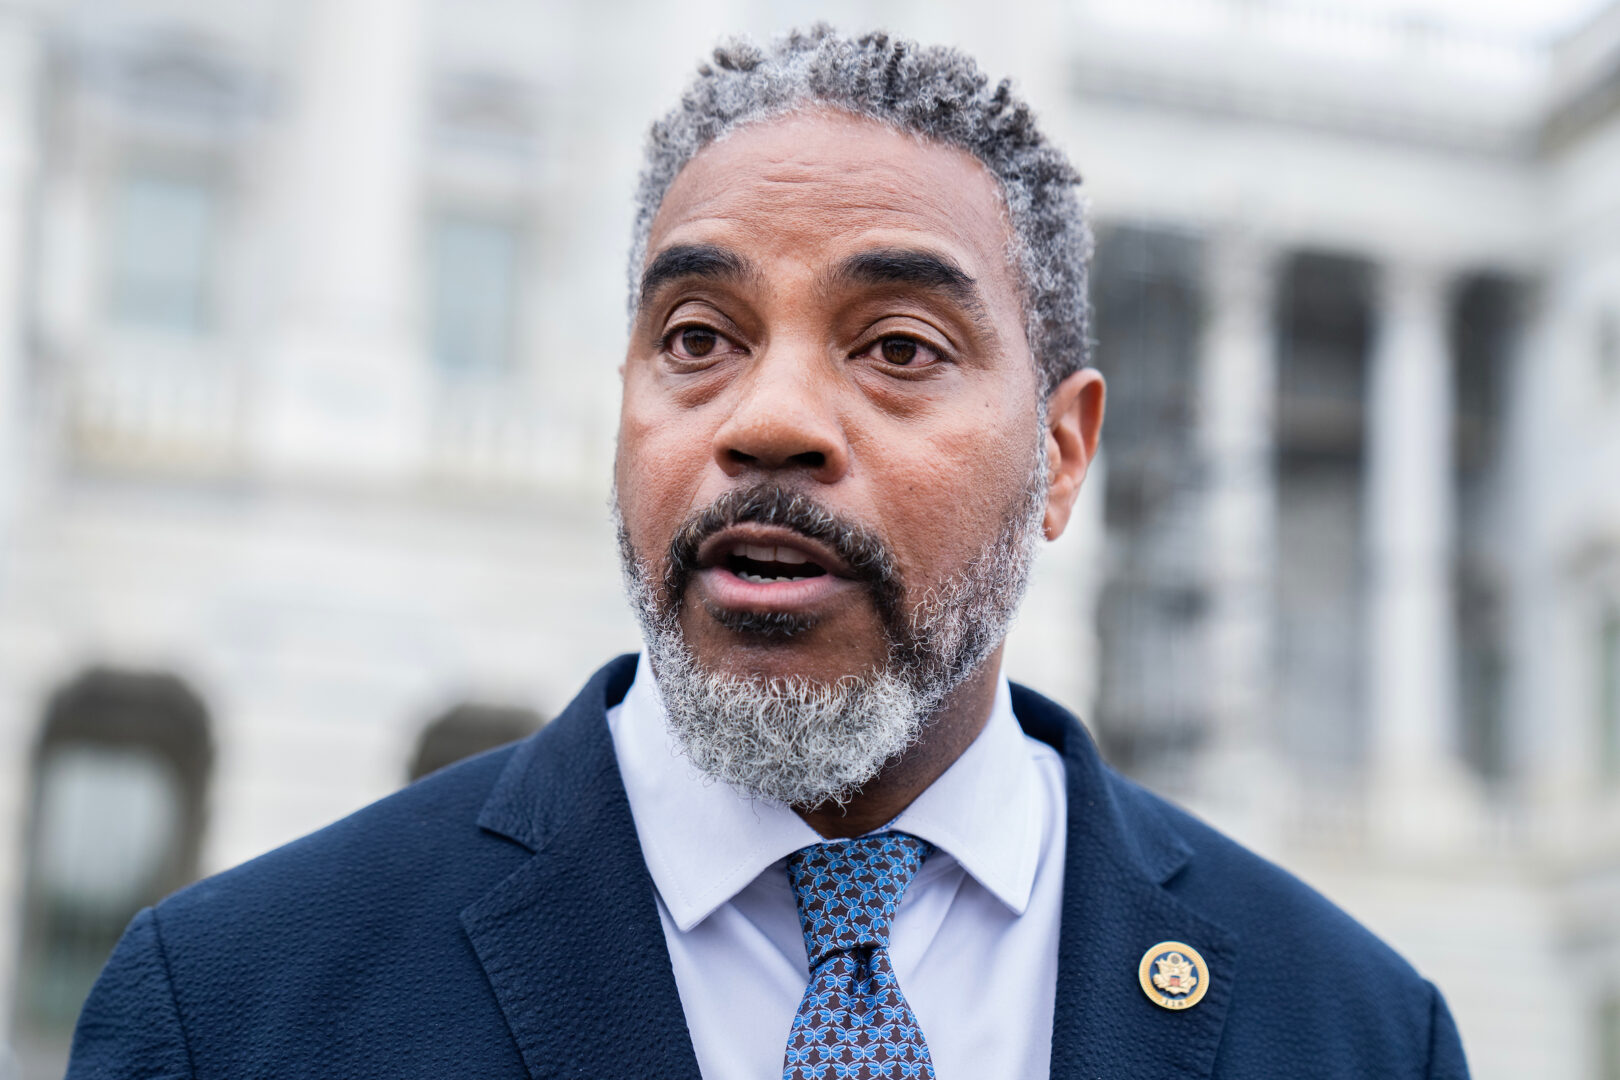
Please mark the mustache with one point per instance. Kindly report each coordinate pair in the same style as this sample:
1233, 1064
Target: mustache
870, 561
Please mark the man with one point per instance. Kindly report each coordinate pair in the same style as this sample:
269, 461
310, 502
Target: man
811, 832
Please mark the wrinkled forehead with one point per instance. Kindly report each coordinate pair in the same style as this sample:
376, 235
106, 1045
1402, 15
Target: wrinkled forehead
812, 187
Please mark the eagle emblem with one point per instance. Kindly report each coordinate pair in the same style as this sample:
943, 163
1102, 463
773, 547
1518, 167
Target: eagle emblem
1174, 974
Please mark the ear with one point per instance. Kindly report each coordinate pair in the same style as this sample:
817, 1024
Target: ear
1074, 416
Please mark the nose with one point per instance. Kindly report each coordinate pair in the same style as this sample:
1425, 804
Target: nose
783, 418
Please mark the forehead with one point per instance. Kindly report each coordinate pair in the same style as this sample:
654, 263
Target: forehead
819, 185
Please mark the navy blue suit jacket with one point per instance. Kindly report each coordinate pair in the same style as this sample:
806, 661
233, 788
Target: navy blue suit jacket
497, 920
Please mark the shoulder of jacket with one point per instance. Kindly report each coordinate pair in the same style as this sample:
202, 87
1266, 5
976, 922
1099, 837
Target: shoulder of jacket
1270, 909
402, 841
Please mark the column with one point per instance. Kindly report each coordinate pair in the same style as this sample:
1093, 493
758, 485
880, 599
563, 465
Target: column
1551, 666
1417, 785
21, 69
1237, 399
341, 390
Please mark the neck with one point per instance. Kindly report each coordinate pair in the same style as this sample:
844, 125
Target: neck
946, 735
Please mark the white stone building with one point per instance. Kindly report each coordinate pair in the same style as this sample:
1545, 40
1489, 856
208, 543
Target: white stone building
309, 315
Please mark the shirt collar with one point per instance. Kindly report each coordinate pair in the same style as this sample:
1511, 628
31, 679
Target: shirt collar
983, 811
704, 842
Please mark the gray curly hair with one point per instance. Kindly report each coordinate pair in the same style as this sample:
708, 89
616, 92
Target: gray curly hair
938, 93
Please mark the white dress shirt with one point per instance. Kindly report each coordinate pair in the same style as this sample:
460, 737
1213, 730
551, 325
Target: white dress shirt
974, 942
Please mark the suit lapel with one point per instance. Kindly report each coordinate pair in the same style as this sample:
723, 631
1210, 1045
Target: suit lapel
1119, 857
571, 942
574, 952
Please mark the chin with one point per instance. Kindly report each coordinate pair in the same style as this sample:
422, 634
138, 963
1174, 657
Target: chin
771, 658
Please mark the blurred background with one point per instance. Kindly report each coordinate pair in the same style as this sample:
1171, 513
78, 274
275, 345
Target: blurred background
309, 318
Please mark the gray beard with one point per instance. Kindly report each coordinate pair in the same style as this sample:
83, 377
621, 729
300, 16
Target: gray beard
807, 743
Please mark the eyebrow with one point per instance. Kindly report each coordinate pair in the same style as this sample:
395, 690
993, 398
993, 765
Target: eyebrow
917, 268
708, 261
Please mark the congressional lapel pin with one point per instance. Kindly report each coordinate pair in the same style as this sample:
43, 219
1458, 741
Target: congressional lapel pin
1173, 975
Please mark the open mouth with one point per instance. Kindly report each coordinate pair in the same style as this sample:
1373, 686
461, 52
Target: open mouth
767, 564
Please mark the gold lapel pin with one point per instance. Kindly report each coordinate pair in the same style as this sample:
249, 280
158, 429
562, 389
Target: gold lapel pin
1173, 975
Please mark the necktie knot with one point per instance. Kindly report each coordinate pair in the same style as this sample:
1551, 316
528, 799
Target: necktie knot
847, 892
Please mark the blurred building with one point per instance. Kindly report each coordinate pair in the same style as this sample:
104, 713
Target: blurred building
309, 316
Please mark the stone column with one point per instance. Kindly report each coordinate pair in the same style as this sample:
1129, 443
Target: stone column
1417, 788
341, 390
1551, 671
1237, 376
21, 69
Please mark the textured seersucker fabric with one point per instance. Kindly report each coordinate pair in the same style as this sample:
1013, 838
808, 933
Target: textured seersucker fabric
854, 1022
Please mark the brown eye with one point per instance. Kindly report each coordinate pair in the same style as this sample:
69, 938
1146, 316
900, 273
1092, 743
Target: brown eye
898, 351
696, 341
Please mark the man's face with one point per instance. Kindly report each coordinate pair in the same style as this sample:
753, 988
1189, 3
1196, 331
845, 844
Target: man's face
830, 313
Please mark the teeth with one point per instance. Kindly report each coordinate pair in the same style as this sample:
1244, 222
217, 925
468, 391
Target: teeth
765, 553
757, 579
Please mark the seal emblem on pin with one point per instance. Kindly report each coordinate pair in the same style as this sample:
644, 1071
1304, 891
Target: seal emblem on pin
1173, 975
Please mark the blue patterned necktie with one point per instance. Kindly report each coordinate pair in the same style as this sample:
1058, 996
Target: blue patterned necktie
854, 1024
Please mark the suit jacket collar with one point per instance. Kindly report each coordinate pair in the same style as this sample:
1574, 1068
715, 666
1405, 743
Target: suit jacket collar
1121, 855
571, 942
575, 953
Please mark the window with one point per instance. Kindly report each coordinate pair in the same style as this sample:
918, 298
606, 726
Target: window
1325, 322
475, 268
119, 776
1482, 670
1608, 700
1147, 292
467, 730
1487, 318
105, 822
161, 247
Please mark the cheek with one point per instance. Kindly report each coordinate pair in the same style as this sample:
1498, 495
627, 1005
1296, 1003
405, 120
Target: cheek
660, 464
947, 496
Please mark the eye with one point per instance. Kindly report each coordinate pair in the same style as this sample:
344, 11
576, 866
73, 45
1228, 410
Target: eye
906, 352
693, 342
